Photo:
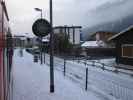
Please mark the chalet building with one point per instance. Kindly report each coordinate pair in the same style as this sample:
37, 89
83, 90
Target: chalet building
124, 46
98, 45
73, 32
102, 38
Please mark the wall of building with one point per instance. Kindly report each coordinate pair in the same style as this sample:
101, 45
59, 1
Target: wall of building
56, 31
77, 36
124, 39
71, 35
103, 36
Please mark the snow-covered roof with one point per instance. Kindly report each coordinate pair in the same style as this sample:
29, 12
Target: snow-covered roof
27, 35
93, 44
45, 40
90, 44
22, 37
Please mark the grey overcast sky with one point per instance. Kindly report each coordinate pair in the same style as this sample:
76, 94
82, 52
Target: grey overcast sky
66, 12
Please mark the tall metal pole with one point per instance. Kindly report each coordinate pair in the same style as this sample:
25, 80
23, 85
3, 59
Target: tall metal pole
51, 50
41, 14
41, 43
41, 51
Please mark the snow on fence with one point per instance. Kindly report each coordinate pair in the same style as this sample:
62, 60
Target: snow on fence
112, 81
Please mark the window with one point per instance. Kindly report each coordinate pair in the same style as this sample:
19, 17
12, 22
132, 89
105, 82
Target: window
127, 50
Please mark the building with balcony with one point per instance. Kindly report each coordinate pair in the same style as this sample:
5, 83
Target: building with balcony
73, 32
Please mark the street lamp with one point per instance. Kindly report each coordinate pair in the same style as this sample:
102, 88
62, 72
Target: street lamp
40, 10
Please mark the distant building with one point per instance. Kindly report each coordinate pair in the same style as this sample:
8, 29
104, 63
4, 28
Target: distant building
124, 46
19, 40
93, 48
25, 41
102, 38
99, 45
73, 32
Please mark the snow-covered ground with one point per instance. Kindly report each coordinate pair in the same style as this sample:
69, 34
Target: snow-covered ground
104, 82
31, 82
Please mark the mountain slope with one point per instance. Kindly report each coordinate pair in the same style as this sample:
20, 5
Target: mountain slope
115, 26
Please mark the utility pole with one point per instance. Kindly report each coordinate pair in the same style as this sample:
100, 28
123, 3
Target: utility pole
51, 49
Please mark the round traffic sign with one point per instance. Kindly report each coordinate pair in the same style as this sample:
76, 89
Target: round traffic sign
41, 27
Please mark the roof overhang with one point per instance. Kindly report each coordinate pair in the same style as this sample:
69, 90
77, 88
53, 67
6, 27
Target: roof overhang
122, 32
57, 27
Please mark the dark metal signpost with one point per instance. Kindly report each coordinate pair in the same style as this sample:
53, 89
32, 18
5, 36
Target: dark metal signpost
41, 28
51, 49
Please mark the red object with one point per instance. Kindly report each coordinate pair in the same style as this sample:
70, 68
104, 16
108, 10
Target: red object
5, 53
